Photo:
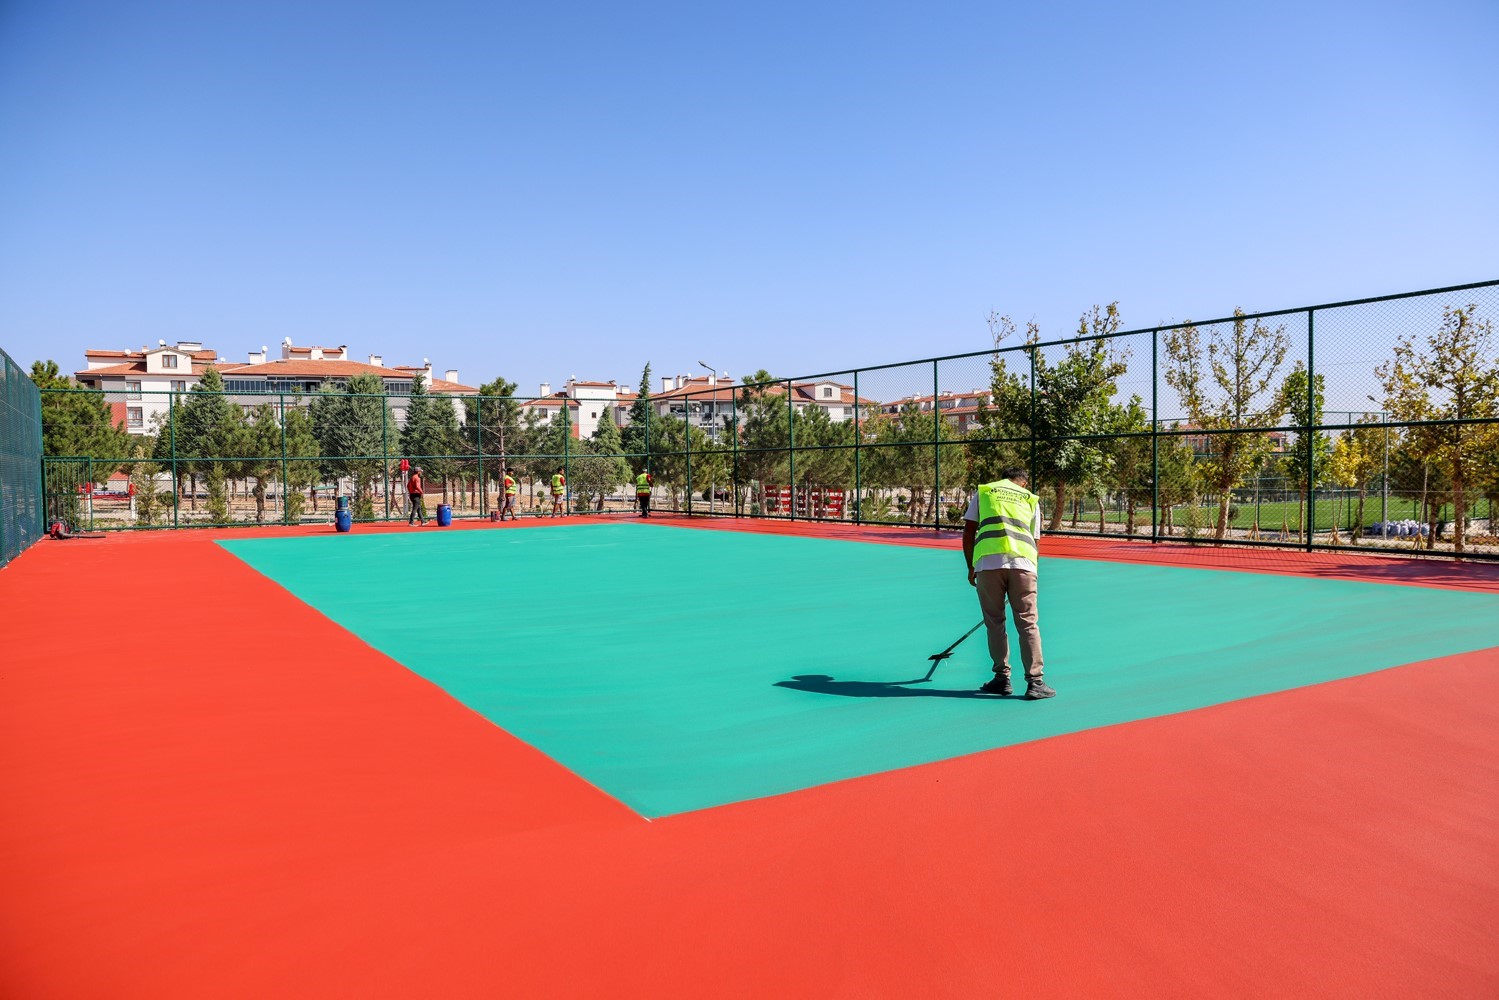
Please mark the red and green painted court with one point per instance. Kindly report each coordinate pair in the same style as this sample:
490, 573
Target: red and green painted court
698, 759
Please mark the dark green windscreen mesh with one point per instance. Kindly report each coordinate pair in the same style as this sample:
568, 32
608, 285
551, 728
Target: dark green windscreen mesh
20, 461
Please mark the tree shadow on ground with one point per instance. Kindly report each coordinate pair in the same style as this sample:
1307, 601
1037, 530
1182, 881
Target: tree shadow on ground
823, 684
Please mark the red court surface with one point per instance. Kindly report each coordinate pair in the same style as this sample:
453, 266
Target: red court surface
210, 790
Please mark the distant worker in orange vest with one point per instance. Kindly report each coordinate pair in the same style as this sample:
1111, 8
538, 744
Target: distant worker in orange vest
643, 484
559, 493
414, 494
510, 490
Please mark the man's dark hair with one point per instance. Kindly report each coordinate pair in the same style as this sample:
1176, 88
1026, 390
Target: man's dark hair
1013, 473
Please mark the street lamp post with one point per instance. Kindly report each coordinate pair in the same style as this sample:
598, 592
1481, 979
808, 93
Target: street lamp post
712, 399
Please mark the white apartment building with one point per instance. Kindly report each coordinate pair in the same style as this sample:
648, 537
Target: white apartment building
140, 383
960, 409
704, 401
585, 403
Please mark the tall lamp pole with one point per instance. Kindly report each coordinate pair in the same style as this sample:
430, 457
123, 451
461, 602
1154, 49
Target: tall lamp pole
712, 398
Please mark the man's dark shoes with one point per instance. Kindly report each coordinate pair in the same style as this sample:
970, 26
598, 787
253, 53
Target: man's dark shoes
997, 685
1038, 689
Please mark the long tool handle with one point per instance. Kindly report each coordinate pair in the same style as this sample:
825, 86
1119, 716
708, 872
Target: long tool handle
948, 651
937, 658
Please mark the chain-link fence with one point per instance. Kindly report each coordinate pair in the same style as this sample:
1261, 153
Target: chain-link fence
140, 459
1371, 424
20, 452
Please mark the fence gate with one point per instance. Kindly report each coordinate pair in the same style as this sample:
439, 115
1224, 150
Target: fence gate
68, 489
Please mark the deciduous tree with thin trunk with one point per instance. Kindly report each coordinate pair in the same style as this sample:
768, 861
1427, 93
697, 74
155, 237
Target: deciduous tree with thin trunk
1228, 381
1070, 407
1357, 457
1448, 375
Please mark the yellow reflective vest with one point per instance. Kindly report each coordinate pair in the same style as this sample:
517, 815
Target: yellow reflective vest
557, 484
510, 487
1007, 516
643, 484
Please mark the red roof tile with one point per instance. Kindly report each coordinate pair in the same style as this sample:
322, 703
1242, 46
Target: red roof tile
139, 368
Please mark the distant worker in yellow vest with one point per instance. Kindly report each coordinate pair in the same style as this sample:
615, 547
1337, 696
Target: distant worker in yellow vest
511, 489
559, 492
1000, 533
643, 483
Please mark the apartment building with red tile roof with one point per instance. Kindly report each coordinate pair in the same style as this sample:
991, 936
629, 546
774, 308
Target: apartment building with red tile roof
960, 409
140, 383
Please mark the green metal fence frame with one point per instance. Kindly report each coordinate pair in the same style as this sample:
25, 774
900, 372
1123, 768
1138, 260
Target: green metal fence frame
22, 519
854, 511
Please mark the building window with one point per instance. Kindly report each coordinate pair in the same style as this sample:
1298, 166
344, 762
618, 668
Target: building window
179, 385
827, 392
848, 411
133, 416
169, 361
132, 390
593, 415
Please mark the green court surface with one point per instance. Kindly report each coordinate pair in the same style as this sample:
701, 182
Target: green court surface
678, 668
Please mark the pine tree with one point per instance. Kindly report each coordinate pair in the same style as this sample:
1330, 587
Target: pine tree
430, 438
352, 423
492, 427
77, 422
765, 433
302, 455
634, 440
259, 447
205, 426
599, 468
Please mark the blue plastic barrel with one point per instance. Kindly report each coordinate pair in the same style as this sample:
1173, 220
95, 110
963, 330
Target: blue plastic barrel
343, 503
343, 518
444, 515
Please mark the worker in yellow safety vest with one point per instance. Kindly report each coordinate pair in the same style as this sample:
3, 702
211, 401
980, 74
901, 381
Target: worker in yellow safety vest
511, 489
1000, 533
643, 483
559, 492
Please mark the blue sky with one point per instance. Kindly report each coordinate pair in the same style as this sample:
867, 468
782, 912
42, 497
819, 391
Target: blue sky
538, 191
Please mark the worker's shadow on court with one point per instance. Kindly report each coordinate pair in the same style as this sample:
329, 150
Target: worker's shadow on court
915, 688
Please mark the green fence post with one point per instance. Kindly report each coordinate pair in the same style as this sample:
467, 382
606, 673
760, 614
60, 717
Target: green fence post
858, 433
734, 416
1155, 438
285, 474
88, 477
936, 452
567, 433
1384, 481
791, 447
687, 435
479, 452
172, 436
1311, 410
385, 452
1034, 481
